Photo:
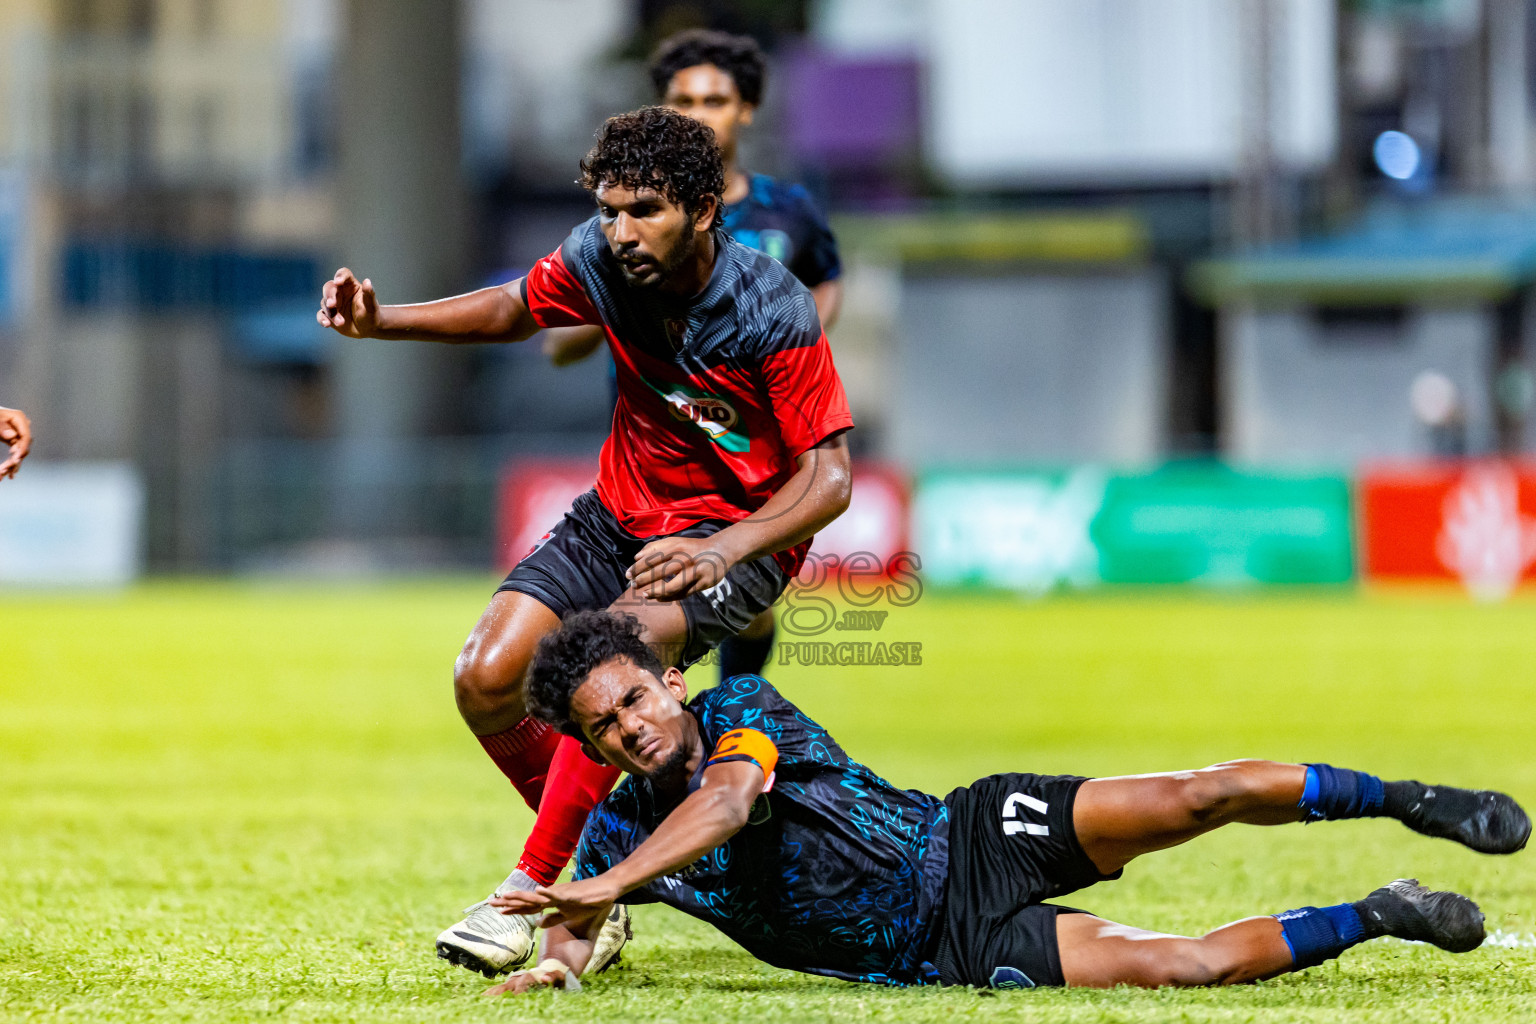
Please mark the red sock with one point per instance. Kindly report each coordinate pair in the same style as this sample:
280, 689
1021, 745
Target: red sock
523, 753
576, 784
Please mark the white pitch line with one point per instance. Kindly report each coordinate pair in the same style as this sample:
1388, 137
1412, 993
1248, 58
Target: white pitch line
1510, 940
1498, 938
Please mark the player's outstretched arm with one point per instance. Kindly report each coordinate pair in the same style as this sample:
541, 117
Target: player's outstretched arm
498, 314
16, 434
706, 818
674, 567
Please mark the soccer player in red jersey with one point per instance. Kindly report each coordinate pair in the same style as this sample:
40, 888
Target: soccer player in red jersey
726, 455
718, 78
16, 432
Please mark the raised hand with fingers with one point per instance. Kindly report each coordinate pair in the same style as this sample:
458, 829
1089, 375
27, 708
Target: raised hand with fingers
16, 435
550, 973
349, 306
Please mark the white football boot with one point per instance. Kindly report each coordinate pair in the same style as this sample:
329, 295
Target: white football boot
615, 932
489, 941
494, 943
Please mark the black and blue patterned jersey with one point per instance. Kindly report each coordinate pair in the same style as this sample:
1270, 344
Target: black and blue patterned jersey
779, 219
838, 872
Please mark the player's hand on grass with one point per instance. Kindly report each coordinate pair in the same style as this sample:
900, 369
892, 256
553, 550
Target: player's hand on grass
573, 904
550, 973
16, 433
674, 567
349, 306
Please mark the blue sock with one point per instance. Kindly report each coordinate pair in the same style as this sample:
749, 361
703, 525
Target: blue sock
1315, 935
1333, 793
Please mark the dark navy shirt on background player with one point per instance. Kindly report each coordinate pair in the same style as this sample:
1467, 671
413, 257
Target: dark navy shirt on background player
719, 393
837, 872
780, 220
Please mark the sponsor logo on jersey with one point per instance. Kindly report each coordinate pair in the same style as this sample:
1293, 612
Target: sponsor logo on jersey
710, 413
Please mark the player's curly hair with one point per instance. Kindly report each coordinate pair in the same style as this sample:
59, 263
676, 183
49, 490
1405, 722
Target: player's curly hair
563, 660
738, 56
658, 148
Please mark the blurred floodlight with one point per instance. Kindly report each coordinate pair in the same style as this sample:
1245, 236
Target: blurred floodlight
1397, 155
1434, 398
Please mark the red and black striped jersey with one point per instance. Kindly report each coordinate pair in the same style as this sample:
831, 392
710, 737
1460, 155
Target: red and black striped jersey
717, 394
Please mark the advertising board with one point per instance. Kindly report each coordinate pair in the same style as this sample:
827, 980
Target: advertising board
1201, 523
72, 524
1469, 521
536, 493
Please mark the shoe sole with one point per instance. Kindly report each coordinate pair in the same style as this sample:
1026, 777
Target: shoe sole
461, 957
467, 959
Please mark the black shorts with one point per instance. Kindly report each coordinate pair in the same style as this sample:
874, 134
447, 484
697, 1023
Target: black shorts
1011, 846
580, 565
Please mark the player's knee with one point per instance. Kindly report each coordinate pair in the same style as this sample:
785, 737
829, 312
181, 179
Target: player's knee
484, 684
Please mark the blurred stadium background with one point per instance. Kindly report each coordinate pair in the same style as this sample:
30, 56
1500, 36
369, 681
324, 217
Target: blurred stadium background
1146, 291
1205, 316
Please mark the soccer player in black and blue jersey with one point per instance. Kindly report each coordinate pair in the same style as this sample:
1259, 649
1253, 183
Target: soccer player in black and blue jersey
743, 812
718, 78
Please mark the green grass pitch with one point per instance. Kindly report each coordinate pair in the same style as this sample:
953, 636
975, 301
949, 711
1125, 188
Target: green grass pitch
241, 802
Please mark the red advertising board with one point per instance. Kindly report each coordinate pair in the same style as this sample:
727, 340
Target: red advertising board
874, 529
1473, 521
536, 493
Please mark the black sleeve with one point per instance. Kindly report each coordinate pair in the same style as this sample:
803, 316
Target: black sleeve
751, 702
816, 261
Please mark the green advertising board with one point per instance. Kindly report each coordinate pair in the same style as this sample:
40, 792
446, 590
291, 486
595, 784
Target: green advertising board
1207, 523
1024, 531
1195, 523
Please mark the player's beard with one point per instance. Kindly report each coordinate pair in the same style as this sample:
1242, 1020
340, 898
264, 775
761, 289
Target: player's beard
667, 263
672, 772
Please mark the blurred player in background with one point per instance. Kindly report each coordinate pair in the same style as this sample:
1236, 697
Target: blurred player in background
726, 455
718, 78
743, 812
16, 432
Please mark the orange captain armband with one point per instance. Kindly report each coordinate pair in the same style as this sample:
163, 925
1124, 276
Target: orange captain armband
747, 745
